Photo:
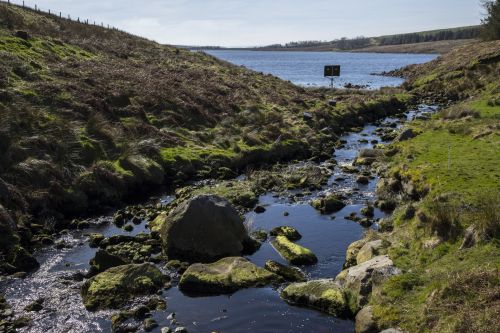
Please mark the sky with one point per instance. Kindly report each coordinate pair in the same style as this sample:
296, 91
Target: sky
236, 23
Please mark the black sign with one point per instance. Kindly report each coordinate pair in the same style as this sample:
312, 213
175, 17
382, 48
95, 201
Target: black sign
332, 70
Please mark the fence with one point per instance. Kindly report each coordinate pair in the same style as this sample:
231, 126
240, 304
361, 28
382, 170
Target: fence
36, 8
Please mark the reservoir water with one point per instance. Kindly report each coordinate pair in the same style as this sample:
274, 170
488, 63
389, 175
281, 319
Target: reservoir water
306, 68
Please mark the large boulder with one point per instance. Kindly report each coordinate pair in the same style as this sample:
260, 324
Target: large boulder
360, 280
204, 229
224, 276
289, 273
325, 295
116, 286
294, 253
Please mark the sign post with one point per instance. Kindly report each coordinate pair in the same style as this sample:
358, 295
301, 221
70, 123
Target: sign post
331, 71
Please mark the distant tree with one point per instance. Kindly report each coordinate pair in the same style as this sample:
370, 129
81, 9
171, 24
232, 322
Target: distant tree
491, 22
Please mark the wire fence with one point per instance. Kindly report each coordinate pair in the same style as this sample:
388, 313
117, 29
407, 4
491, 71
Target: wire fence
59, 14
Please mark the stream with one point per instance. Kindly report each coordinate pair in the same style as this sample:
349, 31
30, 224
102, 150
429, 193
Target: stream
257, 309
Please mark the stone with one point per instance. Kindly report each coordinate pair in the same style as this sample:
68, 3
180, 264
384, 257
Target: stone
95, 239
23, 260
224, 276
391, 330
22, 34
166, 330
471, 238
181, 329
156, 225
368, 251
405, 135
330, 204
36, 306
352, 253
307, 116
325, 295
150, 324
204, 228
294, 253
289, 273
357, 280
114, 287
104, 260
289, 232
364, 322
368, 211
259, 210
362, 180
260, 235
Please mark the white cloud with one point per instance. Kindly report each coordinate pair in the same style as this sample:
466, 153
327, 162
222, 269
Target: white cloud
260, 22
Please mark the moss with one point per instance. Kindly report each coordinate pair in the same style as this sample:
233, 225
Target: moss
224, 276
117, 285
240, 193
324, 295
294, 253
289, 232
289, 273
329, 204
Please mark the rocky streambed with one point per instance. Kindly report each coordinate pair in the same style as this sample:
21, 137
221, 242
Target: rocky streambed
49, 300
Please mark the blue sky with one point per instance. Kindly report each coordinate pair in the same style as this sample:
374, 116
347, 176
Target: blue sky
263, 22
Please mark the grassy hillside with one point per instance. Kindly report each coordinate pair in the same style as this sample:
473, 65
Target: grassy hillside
433, 41
90, 117
445, 235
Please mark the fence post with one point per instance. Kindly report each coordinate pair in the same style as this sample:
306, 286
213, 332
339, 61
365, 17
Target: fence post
60, 15
23, 4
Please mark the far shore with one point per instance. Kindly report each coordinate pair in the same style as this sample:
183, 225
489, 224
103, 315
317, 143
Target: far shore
439, 47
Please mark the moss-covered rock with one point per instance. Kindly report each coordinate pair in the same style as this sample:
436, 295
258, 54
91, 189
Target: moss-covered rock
325, 295
294, 253
95, 239
289, 273
104, 260
352, 252
22, 260
224, 276
358, 281
368, 251
330, 204
115, 286
156, 225
289, 232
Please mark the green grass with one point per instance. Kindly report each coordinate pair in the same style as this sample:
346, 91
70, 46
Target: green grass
35, 49
445, 288
448, 158
173, 154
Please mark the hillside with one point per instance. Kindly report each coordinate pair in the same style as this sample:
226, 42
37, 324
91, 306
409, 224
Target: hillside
91, 117
433, 41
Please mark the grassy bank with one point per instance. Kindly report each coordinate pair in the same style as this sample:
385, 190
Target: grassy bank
445, 235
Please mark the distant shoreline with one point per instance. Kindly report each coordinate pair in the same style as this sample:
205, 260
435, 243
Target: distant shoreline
438, 47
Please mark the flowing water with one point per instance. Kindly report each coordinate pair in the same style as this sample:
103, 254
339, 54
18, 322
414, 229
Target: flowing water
306, 68
58, 280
